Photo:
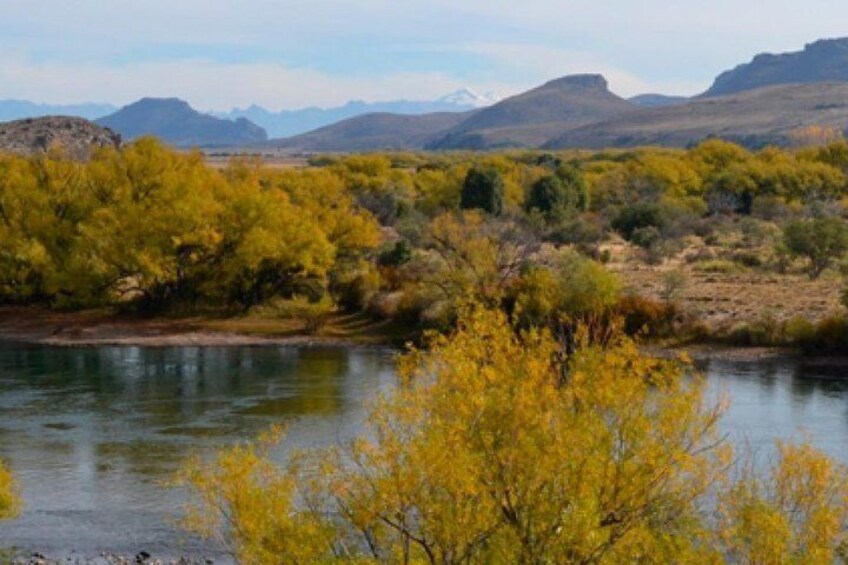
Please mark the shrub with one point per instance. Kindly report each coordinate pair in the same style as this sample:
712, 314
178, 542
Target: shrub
313, 314
483, 189
747, 259
637, 217
718, 266
673, 283
396, 255
821, 240
830, 337
646, 317
10, 501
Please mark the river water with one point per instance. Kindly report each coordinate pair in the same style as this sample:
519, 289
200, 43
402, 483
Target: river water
93, 433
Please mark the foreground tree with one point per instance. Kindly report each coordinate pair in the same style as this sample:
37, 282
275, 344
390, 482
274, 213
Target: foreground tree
10, 502
490, 449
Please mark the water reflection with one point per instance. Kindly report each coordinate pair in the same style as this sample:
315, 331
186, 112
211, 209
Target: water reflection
93, 432
783, 399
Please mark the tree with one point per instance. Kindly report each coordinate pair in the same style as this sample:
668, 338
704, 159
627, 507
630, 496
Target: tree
575, 183
493, 449
548, 196
10, 502
483, 189
821, 240
796, 512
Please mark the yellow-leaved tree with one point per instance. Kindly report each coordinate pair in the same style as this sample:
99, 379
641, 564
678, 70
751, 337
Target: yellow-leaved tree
10, 501
493, 449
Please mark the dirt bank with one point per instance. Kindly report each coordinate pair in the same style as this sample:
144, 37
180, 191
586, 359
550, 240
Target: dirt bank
96, 328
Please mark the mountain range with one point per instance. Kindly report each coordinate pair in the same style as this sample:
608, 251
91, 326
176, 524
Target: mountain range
760, 102
757, 103
293, 122
284, 123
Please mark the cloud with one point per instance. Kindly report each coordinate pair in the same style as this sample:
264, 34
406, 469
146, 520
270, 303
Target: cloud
286, 53
541, 62
212, 85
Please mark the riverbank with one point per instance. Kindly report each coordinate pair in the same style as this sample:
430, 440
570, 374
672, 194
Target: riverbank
93, 328
103, 327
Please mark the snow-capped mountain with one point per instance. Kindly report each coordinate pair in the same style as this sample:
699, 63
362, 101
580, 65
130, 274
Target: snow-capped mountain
286, 123
466, 97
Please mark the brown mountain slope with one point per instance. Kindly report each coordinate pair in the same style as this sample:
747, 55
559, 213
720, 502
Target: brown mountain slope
76, 136
825, 60
370, 132
754, 118
529, 119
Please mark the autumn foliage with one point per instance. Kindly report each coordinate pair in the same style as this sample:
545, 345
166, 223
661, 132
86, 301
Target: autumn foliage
493, 448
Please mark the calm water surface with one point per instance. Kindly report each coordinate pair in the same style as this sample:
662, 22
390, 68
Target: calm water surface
92, 433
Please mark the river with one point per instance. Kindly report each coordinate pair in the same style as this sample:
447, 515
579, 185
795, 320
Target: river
93, 433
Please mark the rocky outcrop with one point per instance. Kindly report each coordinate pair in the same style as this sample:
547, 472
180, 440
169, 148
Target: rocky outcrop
825, 60
76, 137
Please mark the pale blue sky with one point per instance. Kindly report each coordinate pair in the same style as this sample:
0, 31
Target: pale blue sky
293, 53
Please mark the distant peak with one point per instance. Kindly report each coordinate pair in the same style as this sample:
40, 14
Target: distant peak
826, 45
582, 81
468, 97
169, 102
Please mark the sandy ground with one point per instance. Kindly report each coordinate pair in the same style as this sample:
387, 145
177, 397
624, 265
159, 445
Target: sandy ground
35, 326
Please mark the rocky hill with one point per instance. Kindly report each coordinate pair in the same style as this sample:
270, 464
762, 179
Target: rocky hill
825, 60
769, 115
531, 118
178, 124
371, 132
75, 136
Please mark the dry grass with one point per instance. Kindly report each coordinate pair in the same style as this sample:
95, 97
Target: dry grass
725, 299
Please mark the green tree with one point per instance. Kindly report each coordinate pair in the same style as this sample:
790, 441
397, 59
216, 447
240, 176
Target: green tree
483, 189
821, 240
550, 197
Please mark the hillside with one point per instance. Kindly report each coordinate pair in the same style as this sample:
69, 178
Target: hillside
656, 100
754, 118
528, 119
177, 123
825, 60
374, 132
75, 136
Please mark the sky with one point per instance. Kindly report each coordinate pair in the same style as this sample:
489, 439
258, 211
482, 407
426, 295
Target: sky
284, 54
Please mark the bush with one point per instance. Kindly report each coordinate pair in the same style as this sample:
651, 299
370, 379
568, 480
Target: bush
767, 331
747, 259
10, 501
638, 217
354, 290
829, 337
646, 317
822, 241
718, 266
396, 255
483, 189
313, 314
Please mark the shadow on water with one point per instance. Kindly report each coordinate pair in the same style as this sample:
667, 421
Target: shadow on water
92, 433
